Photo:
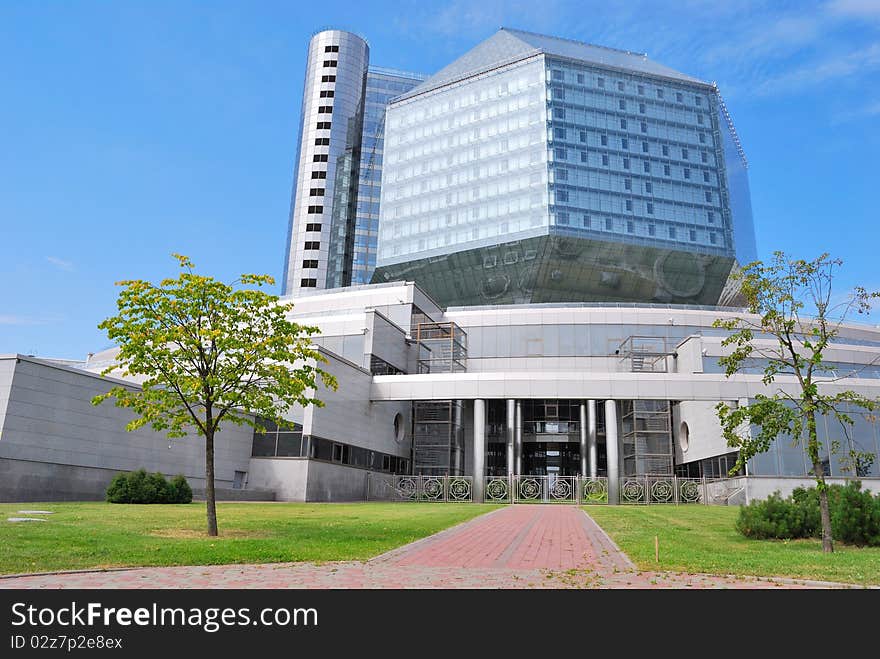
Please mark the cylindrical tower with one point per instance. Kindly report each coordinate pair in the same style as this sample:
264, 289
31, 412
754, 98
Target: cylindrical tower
322, 206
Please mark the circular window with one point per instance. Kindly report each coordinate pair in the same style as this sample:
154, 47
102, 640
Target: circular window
684, 436
399, 428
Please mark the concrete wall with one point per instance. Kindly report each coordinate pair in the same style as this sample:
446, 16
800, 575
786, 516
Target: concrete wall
349, 416
56, 445
704, 431
287, 477
334, 482
302, 479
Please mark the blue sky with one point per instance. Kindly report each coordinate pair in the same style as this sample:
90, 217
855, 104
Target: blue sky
130, 130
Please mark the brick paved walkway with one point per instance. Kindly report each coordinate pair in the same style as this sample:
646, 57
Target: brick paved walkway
522, 546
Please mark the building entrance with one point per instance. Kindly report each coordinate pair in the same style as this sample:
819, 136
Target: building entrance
551, 458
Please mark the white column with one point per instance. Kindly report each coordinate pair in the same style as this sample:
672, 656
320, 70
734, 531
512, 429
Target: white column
519, 434
479, 448
592, 452
611, 451
583, 437
511, 436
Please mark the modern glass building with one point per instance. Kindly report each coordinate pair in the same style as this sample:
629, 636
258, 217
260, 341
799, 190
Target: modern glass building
382, 85
334, 209
323, 200
539, 169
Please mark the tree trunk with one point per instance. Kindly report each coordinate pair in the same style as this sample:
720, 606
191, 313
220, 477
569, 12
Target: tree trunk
819, 472
209, 483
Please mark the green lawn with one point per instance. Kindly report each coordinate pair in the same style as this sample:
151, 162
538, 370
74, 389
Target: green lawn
703, 539
98, 535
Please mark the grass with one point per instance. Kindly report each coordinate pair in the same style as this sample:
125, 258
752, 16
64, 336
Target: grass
703, 539
102, 535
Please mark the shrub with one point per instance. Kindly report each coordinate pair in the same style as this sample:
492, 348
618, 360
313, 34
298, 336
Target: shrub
181, 492
855, 515
141, 487
774, 517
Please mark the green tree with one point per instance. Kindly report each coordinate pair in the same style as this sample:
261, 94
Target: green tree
209, 353
794, 318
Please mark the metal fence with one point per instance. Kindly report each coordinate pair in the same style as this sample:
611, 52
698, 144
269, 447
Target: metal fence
645, 490
430, 488
662, 489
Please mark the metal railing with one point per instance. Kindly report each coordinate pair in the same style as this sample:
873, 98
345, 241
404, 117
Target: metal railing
579, 490
446, 489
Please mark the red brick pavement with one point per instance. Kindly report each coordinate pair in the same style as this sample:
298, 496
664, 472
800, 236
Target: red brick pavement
522, 546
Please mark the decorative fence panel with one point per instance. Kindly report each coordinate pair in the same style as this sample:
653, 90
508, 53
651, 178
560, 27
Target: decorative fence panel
644, 490
443, 489
662, 489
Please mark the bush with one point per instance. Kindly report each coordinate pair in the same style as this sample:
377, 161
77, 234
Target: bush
773, 517
855, 515
181, 492
141, 487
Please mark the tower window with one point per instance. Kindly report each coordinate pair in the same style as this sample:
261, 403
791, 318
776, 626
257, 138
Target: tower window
708, 195
650, 208
646, 166
320, 157
323, 125
313, 226
325, 109
604, 140
623, 124
706, 177
609, 225
312, 244
687, 173
665, 150
319, 174
652, 230
315, 210
642, 108
560, 153
666, 170
693, 235
700, 119
704, 156
327, 93
621, 104
310, 263
644, 147
627, 184
644, 127
322, 141
630, 226
672, 232
316, 192
629, 204
659, 93
331, 49
308, 283
624, 143
710, 216
328, 78
620, 86
649, 187
330, 62
605, 159
600, 82
626, 163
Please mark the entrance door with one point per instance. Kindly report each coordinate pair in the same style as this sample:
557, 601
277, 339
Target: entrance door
550, 458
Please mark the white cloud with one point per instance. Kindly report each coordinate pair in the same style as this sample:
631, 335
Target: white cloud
855, 8
865, 112
13, 319
826, 69
60, 263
